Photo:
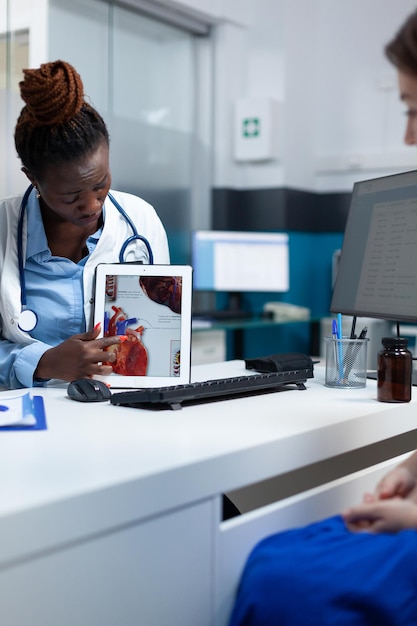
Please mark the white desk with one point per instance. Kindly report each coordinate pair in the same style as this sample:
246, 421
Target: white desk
112, 515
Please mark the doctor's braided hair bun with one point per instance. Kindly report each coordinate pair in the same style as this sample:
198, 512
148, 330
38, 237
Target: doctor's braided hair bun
56, 125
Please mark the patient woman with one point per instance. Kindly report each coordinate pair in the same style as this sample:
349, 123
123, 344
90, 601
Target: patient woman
359, 568
392, 507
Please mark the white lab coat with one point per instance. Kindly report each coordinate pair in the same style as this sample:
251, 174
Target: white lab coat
115, 232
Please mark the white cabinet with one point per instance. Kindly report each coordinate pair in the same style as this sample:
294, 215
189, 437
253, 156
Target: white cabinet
155, 572
208, 346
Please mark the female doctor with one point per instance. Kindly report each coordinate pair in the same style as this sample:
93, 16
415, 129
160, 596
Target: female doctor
53, 237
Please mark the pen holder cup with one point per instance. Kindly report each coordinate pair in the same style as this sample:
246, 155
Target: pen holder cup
346, 361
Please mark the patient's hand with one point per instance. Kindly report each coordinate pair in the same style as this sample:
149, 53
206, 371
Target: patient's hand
399, 482
378, 516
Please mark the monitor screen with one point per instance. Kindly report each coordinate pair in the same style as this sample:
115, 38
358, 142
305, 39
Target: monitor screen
377, 273
240, 261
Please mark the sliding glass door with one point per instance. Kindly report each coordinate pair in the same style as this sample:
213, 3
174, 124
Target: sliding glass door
144, 76
14, 55
153, 116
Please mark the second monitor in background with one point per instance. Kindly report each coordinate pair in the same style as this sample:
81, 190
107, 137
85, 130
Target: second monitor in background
240, 262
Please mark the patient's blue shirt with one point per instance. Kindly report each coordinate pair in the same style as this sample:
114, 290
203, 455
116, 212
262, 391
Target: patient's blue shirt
325, 575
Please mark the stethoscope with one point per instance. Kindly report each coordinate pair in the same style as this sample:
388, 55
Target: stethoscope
28, 318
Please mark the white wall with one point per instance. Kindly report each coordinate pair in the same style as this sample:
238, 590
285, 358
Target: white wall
323, 60
359, 117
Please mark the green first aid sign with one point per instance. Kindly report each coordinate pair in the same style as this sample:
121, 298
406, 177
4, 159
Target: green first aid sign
251, 127
254, 129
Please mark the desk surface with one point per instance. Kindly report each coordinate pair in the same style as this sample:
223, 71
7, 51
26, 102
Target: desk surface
135, 463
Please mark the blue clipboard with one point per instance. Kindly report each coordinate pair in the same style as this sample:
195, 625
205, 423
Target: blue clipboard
38, 411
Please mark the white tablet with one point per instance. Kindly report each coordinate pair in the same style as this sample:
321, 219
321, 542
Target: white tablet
150, 305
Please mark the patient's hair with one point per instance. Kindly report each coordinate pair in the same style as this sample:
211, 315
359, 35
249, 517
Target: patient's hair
56, 125
402, 49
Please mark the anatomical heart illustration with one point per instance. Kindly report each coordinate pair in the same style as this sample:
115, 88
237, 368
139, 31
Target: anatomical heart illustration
148, 318
131, 354
164, 290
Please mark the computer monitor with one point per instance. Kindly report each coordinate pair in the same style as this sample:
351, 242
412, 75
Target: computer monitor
377, 273
237, 262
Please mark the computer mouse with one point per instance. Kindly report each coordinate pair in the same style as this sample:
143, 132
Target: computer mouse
88, 390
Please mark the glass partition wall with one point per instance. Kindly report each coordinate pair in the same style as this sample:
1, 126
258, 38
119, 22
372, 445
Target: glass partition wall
14, 54
153, 116
144, 76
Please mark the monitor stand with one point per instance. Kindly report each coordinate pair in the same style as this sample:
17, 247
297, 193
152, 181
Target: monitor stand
234, 310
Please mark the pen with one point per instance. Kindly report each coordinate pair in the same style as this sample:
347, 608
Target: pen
349, 353
339, 326
339, 345
363, 333
353, 354
352, 332
335, 337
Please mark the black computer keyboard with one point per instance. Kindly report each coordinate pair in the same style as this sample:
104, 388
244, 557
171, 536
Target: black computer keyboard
174, 396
